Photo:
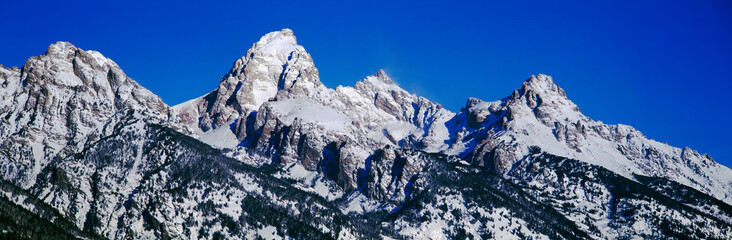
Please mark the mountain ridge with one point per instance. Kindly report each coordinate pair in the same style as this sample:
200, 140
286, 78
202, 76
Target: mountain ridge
551, 117
115, 160
282, 44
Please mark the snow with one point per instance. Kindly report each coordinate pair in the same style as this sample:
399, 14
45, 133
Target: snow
277, 43
249, 184
221, 137
310, 181
187, 105
396, 131
38, 155
298, 172
231, 202
596, 143
460, 148
68, 79
486, 105
262, 91
500, 223
101, 59
350, 110
311, 112
359, 204
345, 234
268, 232
383, 83
543, 136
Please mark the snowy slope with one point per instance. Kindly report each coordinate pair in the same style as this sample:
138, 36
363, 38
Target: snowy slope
492, 134
539, 114
51, 104
273, 102
272, 64
271, 148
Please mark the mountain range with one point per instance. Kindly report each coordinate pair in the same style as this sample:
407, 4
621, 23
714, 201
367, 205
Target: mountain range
272, 152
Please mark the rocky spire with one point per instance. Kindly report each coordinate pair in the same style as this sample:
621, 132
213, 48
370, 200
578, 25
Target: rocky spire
281, 43
542, 84
275, 63
540, 97
380, 82
381, 75
58, 99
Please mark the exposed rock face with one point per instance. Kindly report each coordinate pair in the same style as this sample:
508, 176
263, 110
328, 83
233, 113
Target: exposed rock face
296, 159
610, 206
391, 175
540, 114
360, 119
273, 64
55, 101
276, 107
144, 180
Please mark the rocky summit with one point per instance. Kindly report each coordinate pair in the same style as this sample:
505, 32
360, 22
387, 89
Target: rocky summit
273, 153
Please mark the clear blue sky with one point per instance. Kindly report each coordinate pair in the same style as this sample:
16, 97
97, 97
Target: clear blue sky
664, 67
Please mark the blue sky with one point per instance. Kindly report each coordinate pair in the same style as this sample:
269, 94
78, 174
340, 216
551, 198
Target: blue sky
663, 67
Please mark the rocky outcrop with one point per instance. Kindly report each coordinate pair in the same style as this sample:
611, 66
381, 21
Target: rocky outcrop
274, 63
392, 175
56, 100
85, 140
277, 109
609, 206
499, 134
372, 114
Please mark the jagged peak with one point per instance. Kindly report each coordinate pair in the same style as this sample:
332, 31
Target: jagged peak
542, 84
472, 102
382, 74
475, 104
538, 96
381, 80
61, 48
274, 67
281, 34
13, 68
281, 42
93, 78
277, 47
541, 90
67, 50
383, 77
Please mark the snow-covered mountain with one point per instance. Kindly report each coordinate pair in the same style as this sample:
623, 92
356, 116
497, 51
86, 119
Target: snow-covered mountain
272, 152
275, 63
498, 134
53, 105
304, 117
376, 112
